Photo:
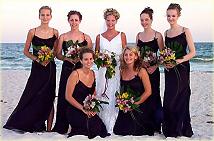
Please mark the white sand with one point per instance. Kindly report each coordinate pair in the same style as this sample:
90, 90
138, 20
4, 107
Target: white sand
14, 81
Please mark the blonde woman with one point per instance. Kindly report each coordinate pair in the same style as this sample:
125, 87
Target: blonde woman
111, 41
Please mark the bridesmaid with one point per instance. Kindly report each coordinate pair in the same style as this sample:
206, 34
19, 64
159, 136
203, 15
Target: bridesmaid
133, 76
177, 78
80, 84
36, 103
153, 40
67, 40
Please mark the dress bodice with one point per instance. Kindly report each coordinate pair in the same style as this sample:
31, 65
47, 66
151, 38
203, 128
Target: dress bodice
37, 41
135, 84
178, 44
153, 44
81, 91
115, 45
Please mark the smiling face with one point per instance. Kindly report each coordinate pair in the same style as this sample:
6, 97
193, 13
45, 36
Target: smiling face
146, 21
129, 57
110, 21
74, 21
87, 60
172, 16
45, 16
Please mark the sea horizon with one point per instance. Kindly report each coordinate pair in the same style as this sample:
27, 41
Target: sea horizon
12, 57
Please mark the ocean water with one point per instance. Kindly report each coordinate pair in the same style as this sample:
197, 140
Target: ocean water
12, 57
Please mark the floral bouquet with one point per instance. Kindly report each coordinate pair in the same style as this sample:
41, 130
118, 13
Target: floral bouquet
44, 53
91, 103
108, 61
167, 56
125, 100
149, 57
73, 50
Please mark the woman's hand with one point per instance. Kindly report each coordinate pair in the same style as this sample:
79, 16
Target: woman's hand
45, 63
89, 113
169, 65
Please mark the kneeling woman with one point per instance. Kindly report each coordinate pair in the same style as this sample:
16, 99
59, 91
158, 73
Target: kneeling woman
80, 84
134, 77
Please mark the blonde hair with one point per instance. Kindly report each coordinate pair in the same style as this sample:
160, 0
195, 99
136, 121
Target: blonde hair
137, 63
111, 11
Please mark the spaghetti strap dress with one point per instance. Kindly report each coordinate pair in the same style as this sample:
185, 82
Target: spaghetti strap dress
37, 100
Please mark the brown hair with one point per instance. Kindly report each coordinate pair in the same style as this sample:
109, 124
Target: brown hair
73, 12
148, 11
45, 7
137, 63
84, 50
111, 11
175, 6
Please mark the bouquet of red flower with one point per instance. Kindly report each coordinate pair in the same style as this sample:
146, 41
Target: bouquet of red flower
91, 103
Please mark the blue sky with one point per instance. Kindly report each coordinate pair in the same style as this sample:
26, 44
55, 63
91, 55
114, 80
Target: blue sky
18, 16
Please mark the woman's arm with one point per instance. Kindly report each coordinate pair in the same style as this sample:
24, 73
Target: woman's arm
123, 38
88, 39
71, 83
27, 46
56, 33
191, 46
146, 84
160, 41
59, 48
97, 43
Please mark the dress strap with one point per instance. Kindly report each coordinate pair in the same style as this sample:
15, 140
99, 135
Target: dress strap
78, 74
155, 34
34, 31
83, 35
183, 29
166, 33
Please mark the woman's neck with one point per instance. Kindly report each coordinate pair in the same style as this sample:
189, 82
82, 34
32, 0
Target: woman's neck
174, 26
148, 30
74, 31
44, 26
85, 70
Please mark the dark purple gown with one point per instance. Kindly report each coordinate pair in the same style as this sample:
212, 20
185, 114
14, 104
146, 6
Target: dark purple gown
155, 98
61, 125
37, 99
177, 92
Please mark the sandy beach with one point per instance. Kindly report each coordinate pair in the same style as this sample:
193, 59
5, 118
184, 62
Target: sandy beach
201, 108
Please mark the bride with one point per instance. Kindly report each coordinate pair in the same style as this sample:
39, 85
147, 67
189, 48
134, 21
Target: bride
111, 41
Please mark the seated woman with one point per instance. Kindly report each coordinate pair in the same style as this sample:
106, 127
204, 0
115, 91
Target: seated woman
134, 77
80, 84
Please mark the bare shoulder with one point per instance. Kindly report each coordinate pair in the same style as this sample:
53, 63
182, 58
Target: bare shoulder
142, 72
73, 76
158, 34
186, 30
87, 36
98, 36
31, 31
123, 34
56, 32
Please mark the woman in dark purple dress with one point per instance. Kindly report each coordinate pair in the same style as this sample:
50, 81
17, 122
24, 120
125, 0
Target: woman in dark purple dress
80, 84
36, 103
68, 40
151, 40
136, 78
177, 78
